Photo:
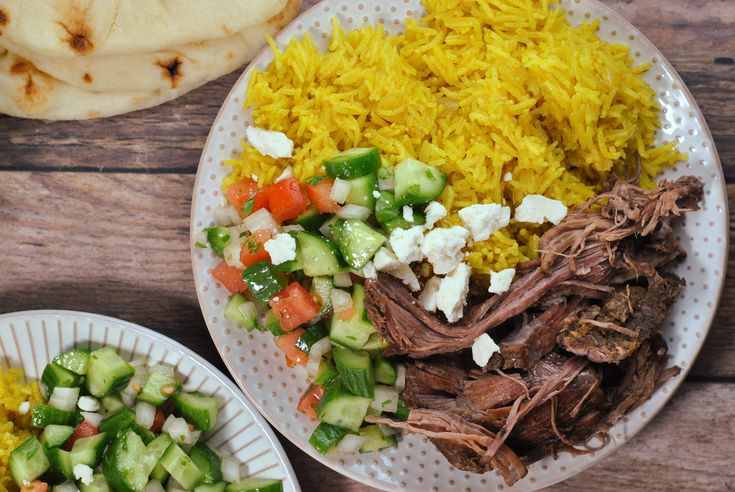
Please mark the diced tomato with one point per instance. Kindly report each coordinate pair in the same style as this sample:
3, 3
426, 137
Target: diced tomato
230, 277
287, 343
252, 249
286, 200
158, 420
309, 401
35, 486
240, 192
319, 196
294, 306
85, 429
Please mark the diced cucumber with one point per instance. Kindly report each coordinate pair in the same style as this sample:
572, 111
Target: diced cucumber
116, 422
126, 464
107, 372
328, 227
54, 375
357, 241
353, 163
75, 360
385, 372
263, 281
146, 435
218, 237
321, 256
159, 473
311, 335
111, 404
207, 461
361, 191
256, 485
27, 462
375, 440
199, 410
326, 437
311, 219
60, 462
211, 487
322, 288
402, 411
400, 222
99, 484
181, 467
159, 445
417, 183
158, 388
54, 436
355, 332
269, 322
88, 450
386, 208
43, 415
341, 408
386, 399
241, 311
326, 373
355, 371
375, 345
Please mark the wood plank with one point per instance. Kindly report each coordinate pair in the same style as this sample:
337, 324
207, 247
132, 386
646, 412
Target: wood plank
698, 37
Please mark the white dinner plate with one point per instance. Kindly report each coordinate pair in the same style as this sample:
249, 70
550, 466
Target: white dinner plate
29, 340
258, 366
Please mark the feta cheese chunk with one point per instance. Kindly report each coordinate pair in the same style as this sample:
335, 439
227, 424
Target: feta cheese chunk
500, 281
287, 173
452, 295
369, 271
427, 298
406, 244
386, 261
443, 248
407, 213
281, 248
83, 473
483, 348
435, 212
484, 219
24, 408
270, 143
537, 209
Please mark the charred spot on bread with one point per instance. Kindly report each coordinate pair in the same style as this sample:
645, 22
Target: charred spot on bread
4, 18
87, 78
172, 70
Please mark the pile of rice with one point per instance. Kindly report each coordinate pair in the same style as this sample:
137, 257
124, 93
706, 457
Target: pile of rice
478, 88
14, 428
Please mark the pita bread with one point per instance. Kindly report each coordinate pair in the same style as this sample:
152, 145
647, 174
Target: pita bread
74, 28
189, 65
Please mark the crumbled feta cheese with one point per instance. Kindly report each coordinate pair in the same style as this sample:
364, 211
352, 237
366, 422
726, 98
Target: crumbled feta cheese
435, 212
443, 248
281, 248
286, 174
484, 219
369, 271
376, 194
428, 295
270, 143
24, 408
386, 261
406, 243
508, 177
483, 348
254, 177
83, 473
537, 209
88, 404
500, 281
452, 295
407, 213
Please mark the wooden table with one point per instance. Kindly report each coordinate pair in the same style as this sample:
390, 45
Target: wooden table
94, 216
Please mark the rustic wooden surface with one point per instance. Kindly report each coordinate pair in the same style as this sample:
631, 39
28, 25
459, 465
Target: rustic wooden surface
94, 216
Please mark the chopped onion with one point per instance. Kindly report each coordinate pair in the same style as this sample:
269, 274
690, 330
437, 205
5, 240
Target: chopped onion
231, 253
88, 404
292, 228
340, 190
286, 174
316, 352
233, 215
67, 486
386, 399
153, 486
261, 220
387, 430
145, 414
64, 398
93, 418
221, 216
341, 300
128, 397
350, 444
400, 383
342, 280
230, 469
386, 184
312, 366
354, 212
174, 486
201, 238
178, 429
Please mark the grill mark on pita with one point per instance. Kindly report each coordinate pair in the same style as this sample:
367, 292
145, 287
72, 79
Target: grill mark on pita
79, 34
87, 78
172, 70
4, 18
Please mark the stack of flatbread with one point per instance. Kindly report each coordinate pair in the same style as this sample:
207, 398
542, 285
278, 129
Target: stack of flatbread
79, 59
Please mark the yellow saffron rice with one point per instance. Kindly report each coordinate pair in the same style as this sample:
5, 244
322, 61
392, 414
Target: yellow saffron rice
482, 89
14, 428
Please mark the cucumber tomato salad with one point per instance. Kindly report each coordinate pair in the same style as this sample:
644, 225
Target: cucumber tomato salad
295, 256
113, 425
